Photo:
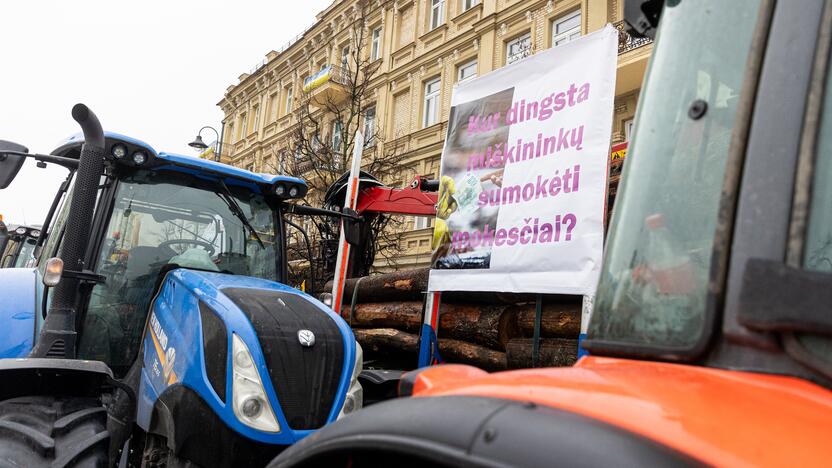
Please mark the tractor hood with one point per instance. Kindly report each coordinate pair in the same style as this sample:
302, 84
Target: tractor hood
305, 382
721, 417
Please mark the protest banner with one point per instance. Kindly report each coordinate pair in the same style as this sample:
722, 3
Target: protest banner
524, 174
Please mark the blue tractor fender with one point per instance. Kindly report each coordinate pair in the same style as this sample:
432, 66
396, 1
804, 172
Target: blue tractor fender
20, 298
175, 359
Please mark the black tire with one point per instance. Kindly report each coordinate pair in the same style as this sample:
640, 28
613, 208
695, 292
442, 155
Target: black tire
40, 431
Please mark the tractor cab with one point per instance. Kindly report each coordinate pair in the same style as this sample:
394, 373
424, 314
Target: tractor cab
18, 247
158, 315
167, 211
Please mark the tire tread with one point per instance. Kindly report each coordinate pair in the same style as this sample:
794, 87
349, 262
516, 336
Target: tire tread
37, 431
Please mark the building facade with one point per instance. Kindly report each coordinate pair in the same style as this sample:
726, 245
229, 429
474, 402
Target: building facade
422, 48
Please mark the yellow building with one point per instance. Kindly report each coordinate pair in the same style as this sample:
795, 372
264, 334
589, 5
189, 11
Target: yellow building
422, 48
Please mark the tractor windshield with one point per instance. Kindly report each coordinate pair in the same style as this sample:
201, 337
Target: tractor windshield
163, 218
655, 276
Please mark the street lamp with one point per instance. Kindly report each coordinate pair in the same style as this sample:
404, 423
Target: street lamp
200, 145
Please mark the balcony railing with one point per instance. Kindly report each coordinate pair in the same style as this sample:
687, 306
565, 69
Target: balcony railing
519, 55
327, 74
627, 42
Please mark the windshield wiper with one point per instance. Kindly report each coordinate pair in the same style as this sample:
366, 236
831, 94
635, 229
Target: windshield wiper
237, 211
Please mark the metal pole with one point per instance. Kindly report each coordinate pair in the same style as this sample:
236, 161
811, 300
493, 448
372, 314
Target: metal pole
217, 157
538, 314
342, 261
219, 143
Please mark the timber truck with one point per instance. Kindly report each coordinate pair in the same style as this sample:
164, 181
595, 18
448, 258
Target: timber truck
711, 336
155, 329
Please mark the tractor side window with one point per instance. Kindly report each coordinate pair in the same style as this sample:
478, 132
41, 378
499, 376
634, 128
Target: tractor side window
53, 239
817, 251
654, 281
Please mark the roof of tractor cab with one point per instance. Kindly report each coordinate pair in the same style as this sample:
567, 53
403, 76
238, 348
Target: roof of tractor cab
72, 145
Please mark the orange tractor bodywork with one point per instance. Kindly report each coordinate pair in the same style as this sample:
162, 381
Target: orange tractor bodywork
720, 417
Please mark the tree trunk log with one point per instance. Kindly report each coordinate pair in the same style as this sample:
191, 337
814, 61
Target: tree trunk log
553, 352
406, 316
466, 353
397, 286
489, 326
406, 285
387, 340
559, 320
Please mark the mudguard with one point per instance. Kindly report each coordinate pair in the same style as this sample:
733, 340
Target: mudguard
174, 355
20, 298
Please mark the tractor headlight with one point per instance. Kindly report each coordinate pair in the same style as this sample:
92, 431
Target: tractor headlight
35, 233
355, 395
294, 191
251, 405
20, 230
280, 190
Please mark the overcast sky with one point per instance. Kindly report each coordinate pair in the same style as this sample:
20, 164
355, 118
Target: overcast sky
153, 70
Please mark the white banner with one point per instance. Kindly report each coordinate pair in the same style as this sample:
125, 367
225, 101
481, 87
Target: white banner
524, 174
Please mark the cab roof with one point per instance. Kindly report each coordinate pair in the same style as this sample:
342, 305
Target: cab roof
72, 145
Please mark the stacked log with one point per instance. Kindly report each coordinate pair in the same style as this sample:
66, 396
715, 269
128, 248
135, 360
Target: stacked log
489, 330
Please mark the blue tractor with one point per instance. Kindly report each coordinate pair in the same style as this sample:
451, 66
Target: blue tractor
155, 329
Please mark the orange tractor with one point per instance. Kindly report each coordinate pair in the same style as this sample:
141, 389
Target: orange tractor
711, 336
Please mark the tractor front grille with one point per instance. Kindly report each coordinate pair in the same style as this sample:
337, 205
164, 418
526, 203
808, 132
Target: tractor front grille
305, 378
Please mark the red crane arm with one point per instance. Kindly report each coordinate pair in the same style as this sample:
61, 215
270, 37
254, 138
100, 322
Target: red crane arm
407, 201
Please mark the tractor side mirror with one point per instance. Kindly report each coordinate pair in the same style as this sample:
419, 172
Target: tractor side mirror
10, 163
352, 227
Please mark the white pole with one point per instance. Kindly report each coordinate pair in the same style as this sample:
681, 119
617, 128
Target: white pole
342, 262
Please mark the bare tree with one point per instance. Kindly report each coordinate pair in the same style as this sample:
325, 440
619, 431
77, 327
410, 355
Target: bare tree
321, 145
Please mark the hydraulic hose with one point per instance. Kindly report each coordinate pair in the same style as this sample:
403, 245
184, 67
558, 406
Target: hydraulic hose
58, 335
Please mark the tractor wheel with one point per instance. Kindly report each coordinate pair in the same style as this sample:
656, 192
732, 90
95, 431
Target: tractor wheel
40, 431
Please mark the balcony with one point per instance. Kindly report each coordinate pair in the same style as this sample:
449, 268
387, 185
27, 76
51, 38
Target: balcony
626, 42
633, 55
328, 86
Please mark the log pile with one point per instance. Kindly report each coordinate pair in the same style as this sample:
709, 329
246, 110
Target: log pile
489, 330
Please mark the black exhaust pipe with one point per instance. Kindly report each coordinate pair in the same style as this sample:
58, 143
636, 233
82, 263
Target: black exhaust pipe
58, 335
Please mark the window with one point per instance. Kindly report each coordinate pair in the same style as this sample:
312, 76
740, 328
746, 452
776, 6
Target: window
431, 111
467, 71
230, 135
817, 249
437, 13
336, 138
369, 126
628, 129
468, 4
422, 222
345, 58
518, 48
654, 290
566, 28
375, 44
256, 112
288, 100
